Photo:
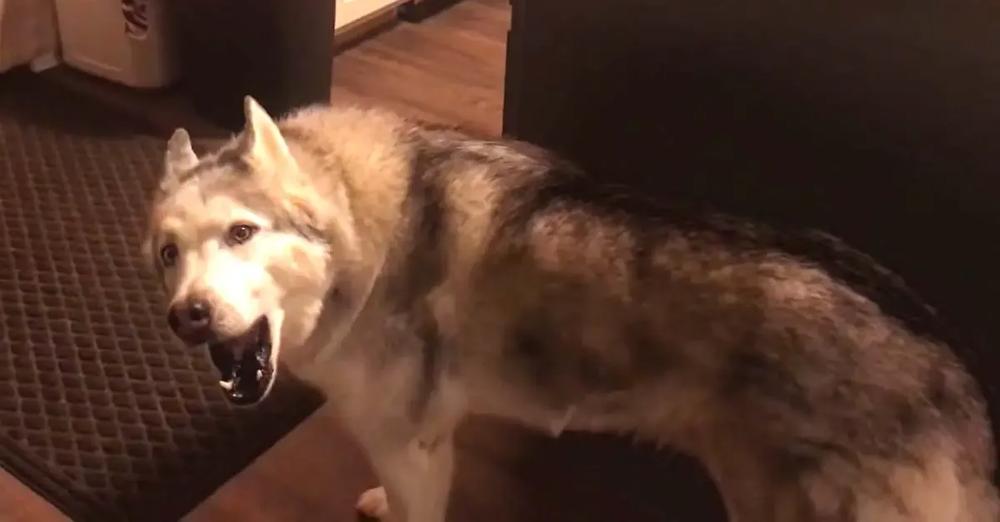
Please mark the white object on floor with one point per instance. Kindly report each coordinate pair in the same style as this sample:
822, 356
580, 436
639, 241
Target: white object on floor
44, 62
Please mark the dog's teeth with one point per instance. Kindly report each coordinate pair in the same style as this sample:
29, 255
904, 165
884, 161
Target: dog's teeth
260, 374
226, 385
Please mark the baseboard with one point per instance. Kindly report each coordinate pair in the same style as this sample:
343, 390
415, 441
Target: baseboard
365, 26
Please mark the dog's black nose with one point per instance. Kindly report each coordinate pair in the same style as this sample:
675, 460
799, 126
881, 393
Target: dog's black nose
191, 320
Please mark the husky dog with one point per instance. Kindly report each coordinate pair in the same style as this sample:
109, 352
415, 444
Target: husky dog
441, 275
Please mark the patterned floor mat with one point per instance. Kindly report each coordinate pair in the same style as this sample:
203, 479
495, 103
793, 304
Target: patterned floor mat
101, 411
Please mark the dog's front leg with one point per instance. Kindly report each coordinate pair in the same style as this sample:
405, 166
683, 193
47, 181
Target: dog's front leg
416, 480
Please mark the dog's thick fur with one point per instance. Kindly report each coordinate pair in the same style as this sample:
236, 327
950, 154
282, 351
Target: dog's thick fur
445, 275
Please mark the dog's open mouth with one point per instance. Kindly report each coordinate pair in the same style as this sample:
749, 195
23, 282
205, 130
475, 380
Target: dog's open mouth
245, 364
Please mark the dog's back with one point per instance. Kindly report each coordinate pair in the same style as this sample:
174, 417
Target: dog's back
553, 301
803, 398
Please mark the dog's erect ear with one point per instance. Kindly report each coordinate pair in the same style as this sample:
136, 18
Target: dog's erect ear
263, 142
178, 158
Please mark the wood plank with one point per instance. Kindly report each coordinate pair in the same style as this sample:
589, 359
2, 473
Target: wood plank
18, 503
315, 469
448, 68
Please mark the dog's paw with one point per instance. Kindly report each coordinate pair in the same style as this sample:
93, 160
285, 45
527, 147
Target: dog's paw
374, 504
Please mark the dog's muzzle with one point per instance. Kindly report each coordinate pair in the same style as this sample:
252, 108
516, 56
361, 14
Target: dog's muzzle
244, 363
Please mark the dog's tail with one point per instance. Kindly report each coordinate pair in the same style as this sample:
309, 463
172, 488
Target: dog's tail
937, 486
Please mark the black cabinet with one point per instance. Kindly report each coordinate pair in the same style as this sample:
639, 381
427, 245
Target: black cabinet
278, 51
876, 121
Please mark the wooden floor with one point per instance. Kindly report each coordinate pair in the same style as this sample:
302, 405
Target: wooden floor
447, 69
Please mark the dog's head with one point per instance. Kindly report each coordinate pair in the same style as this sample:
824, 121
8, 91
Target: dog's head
246, 245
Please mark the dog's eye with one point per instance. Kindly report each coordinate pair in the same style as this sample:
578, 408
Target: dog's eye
168, 255
241, 233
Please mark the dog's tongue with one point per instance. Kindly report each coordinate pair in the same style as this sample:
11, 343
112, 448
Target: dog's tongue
246, 380
243, 364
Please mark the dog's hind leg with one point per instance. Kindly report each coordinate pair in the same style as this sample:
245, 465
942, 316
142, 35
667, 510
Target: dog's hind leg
416, 479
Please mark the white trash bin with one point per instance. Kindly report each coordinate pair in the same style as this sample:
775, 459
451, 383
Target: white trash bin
125, 41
